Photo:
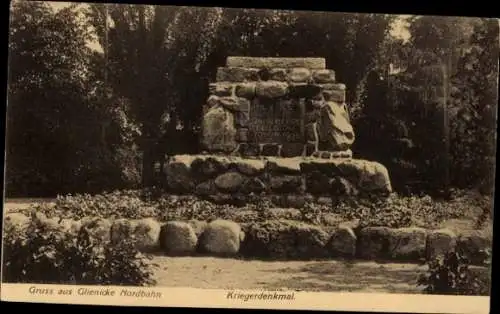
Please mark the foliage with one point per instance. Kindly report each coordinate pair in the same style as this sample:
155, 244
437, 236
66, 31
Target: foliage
394, 211
59, 139
44, 255
451, 275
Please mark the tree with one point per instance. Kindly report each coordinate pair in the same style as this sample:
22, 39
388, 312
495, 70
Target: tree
48, 118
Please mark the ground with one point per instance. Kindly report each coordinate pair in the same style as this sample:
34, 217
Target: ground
227, 273
325, 276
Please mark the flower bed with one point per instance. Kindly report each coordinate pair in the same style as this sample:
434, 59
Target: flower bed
394, 211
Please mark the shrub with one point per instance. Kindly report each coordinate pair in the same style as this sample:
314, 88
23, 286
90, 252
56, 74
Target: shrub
42, 255
451, 275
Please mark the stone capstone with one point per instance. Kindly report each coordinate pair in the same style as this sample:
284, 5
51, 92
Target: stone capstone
256, 62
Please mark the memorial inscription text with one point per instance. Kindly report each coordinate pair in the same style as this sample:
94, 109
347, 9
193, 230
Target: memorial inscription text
276, 121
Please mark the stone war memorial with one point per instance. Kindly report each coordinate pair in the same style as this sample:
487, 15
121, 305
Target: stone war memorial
278, 127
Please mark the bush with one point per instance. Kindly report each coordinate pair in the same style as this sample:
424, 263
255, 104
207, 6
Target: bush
451, 275
42, 255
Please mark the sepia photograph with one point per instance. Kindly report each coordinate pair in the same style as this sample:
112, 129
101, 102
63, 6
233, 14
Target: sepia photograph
270, 155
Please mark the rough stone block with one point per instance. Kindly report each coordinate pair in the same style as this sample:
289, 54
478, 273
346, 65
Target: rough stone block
343, 243
249, 167
229, 182
324, 76
208, 168
475, 246
98, 228
335, 95
304, 90
282, 166
237, 74
277, 62
333, 86
253, 185
233, 104
278, 74
299, 75
373, 242
179, 177
198, 226
270, 149
251, 150
279, 239
271, 89
407, 244
289, 150
121, 229
219, 133
206, 188
221, 89
286, 184
440, 242
178, 238
221, 237
147, 234
246, 90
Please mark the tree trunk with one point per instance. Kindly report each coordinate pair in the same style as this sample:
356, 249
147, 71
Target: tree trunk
148, 159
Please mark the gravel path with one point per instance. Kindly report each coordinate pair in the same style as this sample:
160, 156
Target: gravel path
326, 276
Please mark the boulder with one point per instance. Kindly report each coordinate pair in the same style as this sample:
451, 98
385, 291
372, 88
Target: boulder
286, 184
229, 182
178, 238
373, 242
323, 76
475, 245
221, 237
121, 229
98, 228
277, 74
271, 89
246, 90
284, 239
147, 234
219, 132
407, 244
249, 167
221, 89
440, 242
299, 75
198, 226
208, 168
179, 178
342, 243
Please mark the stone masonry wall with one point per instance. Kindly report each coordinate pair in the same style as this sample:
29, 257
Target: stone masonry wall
225, 179
277, 239
228, 109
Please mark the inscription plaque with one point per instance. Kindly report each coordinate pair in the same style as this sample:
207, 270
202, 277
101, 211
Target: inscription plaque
279, 121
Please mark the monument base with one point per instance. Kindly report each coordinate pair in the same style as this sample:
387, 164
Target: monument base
229, 179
